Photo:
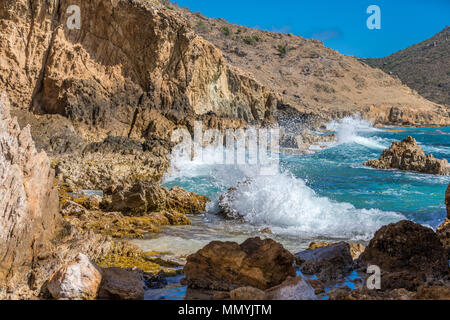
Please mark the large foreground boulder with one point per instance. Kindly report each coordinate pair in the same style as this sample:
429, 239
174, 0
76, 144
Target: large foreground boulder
121, 284
409, 156
408, 254
225, 266
78, 280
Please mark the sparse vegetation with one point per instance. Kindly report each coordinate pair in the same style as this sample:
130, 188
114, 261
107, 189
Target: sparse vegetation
225, 31
251, 40
282, 49
431, 61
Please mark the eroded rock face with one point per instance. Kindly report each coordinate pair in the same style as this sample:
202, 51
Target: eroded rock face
408, 255
78, 280
143, 198
28, 203
330, 263
409, 156
225, 266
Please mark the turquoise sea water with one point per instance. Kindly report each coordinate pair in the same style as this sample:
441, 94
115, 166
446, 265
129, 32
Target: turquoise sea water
324, 195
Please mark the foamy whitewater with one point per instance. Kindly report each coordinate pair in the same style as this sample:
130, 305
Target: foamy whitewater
282, 201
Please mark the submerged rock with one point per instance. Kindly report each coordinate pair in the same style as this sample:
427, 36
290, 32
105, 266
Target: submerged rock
408, 254
78, 280
292, 289
409, 156
331, 263
225, 266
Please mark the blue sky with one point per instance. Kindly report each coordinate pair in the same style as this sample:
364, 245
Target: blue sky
341, 24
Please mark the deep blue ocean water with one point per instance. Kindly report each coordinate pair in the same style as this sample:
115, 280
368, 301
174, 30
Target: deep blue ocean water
325, 195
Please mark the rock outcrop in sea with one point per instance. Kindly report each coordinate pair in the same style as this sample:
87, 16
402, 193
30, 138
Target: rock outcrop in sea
407, 155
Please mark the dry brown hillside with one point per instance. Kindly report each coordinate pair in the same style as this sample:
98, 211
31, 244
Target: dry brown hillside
314, 78
430, 75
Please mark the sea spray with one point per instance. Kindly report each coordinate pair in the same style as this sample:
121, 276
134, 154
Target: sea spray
351, 129
282, 202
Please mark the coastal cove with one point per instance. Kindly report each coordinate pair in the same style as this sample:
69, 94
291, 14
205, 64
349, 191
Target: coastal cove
332, 196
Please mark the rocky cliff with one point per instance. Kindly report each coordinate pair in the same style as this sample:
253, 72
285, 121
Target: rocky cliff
28, 203
315, 79
34, 239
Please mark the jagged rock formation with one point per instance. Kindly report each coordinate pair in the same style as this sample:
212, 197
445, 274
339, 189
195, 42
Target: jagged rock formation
431, 61
28, 203
315, 79
409, 156
34, 239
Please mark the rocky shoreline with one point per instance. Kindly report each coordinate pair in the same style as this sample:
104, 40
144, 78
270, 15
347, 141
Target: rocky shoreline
94, 110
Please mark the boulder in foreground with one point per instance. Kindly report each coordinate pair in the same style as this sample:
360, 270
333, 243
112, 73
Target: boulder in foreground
121, 284
78, 280
409, 156
226, 266
408, 255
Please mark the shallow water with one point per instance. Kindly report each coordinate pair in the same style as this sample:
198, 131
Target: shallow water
327, 195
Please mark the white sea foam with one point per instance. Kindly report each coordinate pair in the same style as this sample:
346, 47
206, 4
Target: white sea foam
284, 202
289, 206
348, 130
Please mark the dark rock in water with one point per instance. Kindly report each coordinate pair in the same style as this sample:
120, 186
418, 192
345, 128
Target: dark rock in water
408, 255
330, 263
292, 289
226, 266
121, 284
409, 156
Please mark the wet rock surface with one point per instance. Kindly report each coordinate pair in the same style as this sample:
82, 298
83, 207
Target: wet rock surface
227, 265
407, 155
330, 263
